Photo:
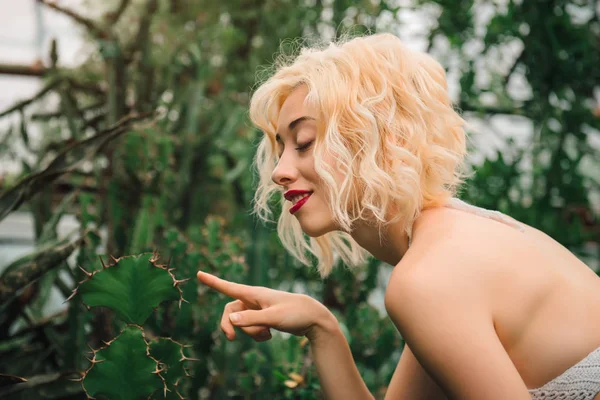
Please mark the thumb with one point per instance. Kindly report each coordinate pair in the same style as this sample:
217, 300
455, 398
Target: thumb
251, 317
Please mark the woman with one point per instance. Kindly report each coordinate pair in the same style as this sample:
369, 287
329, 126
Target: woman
363, 141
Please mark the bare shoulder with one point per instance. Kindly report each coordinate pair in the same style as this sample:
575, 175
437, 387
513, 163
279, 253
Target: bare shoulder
439, 299
461, 251
468, 255
453, 253
449, 269
445, 268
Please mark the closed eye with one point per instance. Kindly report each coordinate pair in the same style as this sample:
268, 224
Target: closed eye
301, 149
304, 147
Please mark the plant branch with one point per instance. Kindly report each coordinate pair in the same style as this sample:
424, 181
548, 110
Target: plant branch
91, 26
66, 161
49, 321
95, 120
143, 30
87, 87
22, 104
35, 381
467, 107
35, 69
512, 69
18, 278
114, 16
57, 114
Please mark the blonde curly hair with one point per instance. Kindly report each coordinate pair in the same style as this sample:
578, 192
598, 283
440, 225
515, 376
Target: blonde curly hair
385, 112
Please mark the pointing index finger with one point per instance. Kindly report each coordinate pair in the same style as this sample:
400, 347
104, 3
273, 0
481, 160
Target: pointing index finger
231, 289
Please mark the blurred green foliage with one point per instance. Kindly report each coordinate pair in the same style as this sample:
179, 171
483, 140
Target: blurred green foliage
154, 146
546, 56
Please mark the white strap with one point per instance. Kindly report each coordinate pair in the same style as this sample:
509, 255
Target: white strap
458, 204
491, 214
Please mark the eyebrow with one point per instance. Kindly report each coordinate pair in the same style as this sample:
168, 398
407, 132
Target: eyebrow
293, 125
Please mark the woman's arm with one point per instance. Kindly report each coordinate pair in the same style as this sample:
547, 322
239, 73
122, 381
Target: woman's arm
443, 311
258, 308
411, 382
338, 374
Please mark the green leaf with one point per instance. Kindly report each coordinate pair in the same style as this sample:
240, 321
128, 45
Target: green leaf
170, 356
132, 287
123, 370
253, 359
23, 131
160, 395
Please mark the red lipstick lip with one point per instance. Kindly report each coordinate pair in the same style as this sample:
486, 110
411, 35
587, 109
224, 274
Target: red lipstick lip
299, 204
289, 195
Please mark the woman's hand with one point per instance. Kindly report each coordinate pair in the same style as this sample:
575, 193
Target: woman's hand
260, 308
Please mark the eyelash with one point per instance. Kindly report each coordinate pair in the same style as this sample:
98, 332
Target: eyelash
302, 148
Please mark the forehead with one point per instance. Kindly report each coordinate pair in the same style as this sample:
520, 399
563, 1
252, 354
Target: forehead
293, 107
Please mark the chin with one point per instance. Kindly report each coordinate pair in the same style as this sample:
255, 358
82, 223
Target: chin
317, 229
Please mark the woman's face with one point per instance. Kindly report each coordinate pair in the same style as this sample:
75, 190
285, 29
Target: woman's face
295, 170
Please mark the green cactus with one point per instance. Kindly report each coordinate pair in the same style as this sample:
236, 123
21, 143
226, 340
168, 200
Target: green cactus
133, 286
129, 366
171, 356
124, 369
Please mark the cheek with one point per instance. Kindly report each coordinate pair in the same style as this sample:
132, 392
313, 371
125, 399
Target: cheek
335, 168
331, 160
331, 164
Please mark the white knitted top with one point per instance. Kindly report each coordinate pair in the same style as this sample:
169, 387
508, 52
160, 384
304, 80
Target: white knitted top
579, 382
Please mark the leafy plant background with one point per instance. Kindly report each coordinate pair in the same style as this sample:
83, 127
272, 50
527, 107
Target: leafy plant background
150, 148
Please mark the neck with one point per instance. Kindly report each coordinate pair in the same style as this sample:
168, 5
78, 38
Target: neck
392, 246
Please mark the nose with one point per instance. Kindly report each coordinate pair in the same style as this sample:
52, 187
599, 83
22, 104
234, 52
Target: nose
285, 171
